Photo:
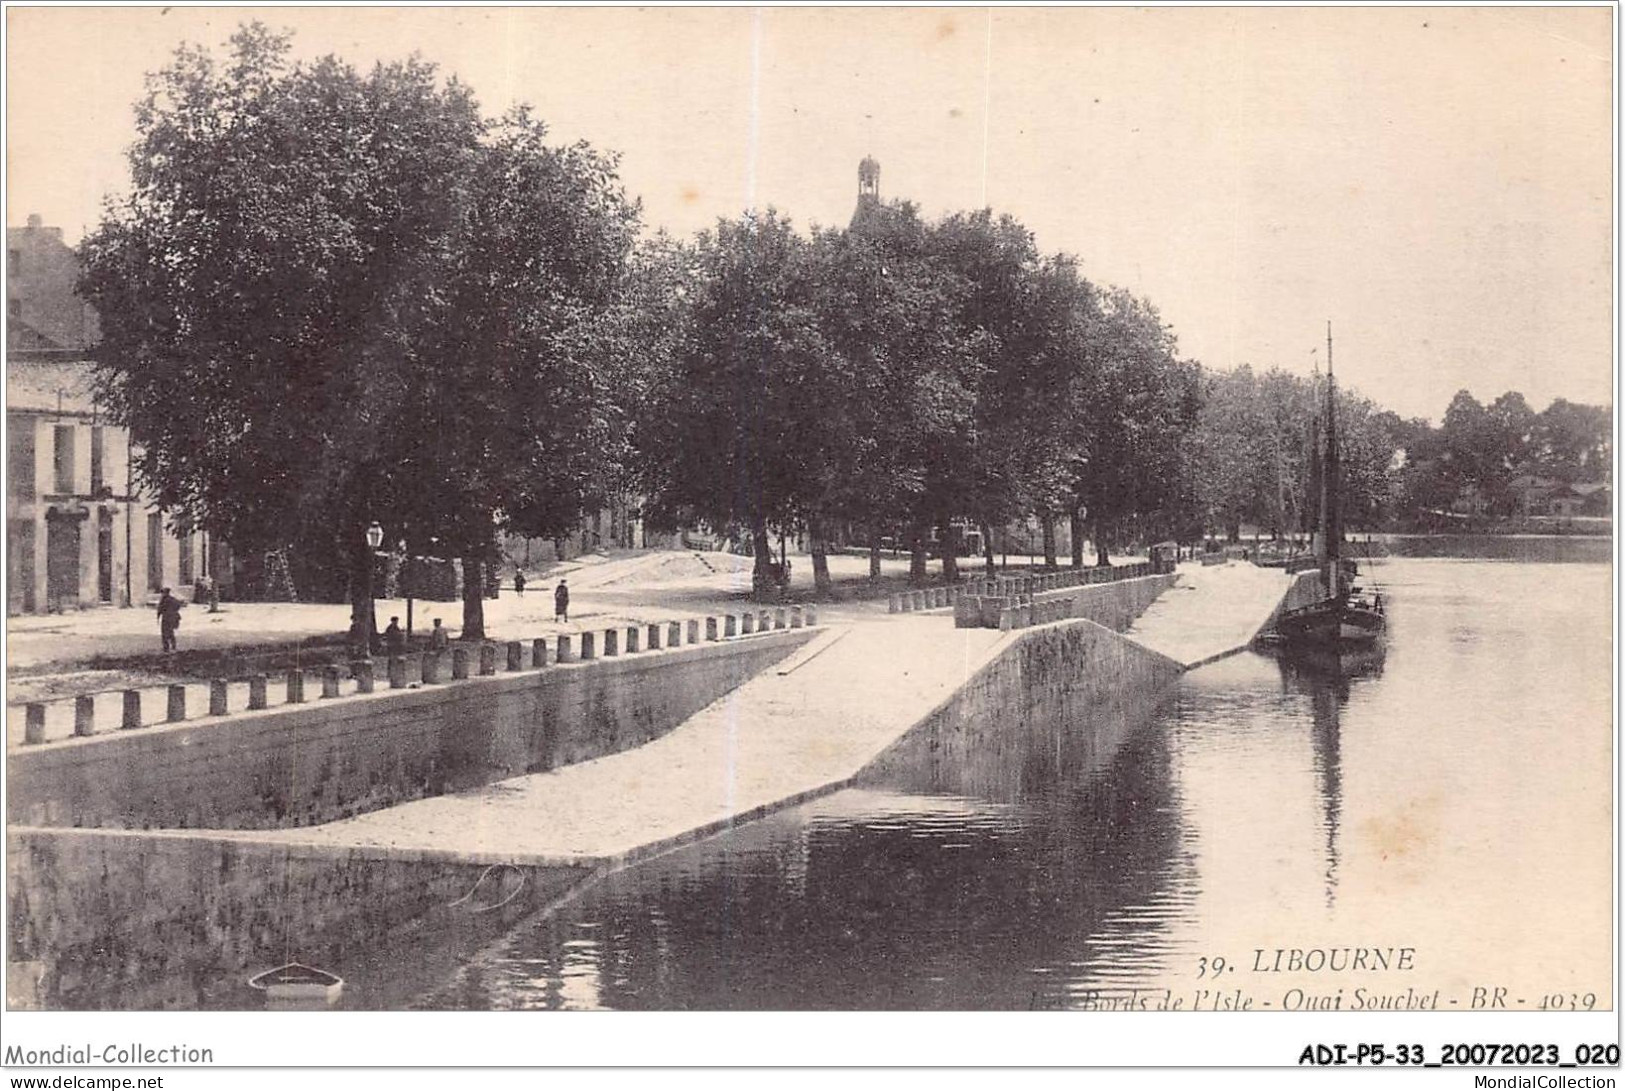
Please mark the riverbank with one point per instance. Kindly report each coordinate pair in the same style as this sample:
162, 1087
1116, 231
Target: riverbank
872, 691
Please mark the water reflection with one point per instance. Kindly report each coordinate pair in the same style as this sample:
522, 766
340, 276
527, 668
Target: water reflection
1328, 676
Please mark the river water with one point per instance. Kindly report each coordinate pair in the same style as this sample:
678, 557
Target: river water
1451, 799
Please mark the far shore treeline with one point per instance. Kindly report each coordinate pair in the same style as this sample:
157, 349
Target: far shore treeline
333, 299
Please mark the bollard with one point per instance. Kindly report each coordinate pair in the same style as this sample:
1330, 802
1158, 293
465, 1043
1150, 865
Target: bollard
764, 621
361, 671
919, 600
256, 692
631, 639
34, 726
564, 654
730, 625
654, 638
538, 652
488, 658
459, 663
588, 651
397, 672
132, 709
693, 631
905, 602
296, 686
612, 642
747, 625
796, 619
175, 711
1024, 616
217, 697
84, 714
330, 682
780, 618
674, 634
710, 628
812, 614
516, 655
1006, 620
433, 664
893, 606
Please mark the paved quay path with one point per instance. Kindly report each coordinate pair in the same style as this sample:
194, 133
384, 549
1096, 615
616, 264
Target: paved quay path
798, 729
1211, 612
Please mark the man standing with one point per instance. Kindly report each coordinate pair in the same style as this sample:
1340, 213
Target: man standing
518, 581
561, 603
394, 639
169, 618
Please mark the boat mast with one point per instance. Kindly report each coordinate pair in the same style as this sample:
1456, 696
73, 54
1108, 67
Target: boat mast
1331, 515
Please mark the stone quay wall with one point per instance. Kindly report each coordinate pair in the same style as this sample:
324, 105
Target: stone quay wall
306, 763
1114, 604
118, 919
1080, 685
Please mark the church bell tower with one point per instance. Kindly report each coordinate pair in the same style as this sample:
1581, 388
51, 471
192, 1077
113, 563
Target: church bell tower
868, 187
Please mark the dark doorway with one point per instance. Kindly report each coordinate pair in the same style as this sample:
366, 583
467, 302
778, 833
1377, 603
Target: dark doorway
61, 561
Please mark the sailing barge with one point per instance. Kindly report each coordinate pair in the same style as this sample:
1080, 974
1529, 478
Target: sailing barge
1346, 616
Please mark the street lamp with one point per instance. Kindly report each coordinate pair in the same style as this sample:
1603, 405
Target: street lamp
375, 536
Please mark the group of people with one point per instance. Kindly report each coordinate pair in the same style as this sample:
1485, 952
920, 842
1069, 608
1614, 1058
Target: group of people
394, 638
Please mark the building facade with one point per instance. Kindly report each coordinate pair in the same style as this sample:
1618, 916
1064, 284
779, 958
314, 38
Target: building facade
78, 533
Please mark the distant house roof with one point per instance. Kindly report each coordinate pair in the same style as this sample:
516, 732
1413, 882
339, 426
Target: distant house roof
50, 386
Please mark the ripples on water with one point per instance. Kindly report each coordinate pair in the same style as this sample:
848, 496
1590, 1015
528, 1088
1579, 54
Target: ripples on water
1452, 796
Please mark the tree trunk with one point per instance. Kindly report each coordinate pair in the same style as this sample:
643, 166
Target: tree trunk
987, 548
1047, 521
948, 533
874, 554
1077, 538
761, 572
473, 599
819, 548
363, 616
1102, 549
917, 553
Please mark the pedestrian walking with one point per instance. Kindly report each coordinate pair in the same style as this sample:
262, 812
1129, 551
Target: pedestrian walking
518, 581
439, 639
394, 639
169, 618
561, 603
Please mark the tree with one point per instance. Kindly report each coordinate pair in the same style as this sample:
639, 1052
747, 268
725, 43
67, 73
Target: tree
333, 299
511, 414
738, 431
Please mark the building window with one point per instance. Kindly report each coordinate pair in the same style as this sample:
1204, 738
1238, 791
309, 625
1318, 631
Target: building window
64, 459
96, 481
155, 551
21, 433
183, 531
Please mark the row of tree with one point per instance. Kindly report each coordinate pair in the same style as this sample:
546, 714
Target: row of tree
906, 376
1484, 449
334, 299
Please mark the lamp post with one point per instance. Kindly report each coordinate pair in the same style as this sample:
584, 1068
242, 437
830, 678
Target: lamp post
375, 536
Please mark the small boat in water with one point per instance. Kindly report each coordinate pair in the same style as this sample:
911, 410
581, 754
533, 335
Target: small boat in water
296, 984
1347, 615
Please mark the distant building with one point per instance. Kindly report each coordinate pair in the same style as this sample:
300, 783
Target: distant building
77, 533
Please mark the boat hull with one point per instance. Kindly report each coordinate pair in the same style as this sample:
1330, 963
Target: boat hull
1333, 624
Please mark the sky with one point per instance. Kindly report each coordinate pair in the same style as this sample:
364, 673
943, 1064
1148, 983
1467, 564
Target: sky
1437, 183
